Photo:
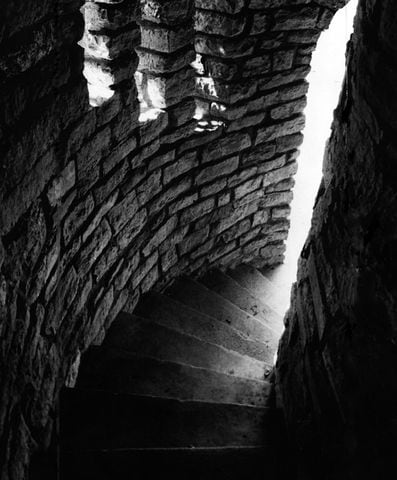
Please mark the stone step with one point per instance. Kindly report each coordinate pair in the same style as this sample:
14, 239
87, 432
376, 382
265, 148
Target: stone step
197, 296
227, 287
148, 338
259, 285
103, 369
219, 463
173, 314
93, 419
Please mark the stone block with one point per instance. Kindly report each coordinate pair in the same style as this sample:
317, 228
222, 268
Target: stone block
77, 217
184, 202
284, 78
167, 12
62, 184
196, 211
99, 16
224, 199
123, 211
248, 187
246, 122
118, 154
282, 186
160, 63
160, 235
163, 92
194, 240
217, 170
307, 18
289, 142
272, 164
226, 6
235, 231
239, 212
281, 212
143, 269
216, 68
104, 208
169, 259
276, 176
261, 217
170, 194
131, 229
109, 184
241, 176
162, 39
259, 154
149, 188
260, 23
227, 93
283, 60
258, 65
211, 189
227, 146
214, 23
224, 47
275, 199
160, 160
181, 113
111, 45
94, 247
283, 129
127, 269
182, 165
288, 109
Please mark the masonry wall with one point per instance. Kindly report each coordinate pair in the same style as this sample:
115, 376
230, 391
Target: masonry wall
114, 183
337, 359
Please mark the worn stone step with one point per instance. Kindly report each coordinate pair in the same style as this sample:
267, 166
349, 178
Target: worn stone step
218, 463
259, 285
243, 298
103, 369
93, 419
173, 314
197, 296
148, 338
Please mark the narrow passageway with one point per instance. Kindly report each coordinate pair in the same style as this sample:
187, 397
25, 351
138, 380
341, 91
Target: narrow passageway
325, 81
180, 388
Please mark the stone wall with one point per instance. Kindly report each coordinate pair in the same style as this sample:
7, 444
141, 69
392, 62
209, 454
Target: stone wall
337, 359
115, 182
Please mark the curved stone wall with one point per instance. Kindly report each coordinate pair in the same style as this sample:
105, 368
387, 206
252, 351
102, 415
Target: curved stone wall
105, 195
337, 358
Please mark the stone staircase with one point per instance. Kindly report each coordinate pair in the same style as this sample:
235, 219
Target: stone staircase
181, 389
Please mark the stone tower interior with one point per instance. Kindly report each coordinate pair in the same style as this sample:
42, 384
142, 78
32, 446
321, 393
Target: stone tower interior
145, 141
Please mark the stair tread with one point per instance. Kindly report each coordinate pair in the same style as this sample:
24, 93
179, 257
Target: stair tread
258, 284
226, 286
109, 370
130, 333
179, 463
174, 314
196, 295
95, 419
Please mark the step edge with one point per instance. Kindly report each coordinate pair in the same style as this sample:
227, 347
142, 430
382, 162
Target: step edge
229, 278
262, 321
208, 318
131, 355
205, 342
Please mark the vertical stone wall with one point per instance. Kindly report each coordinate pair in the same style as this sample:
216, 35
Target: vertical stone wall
337, 359
117, 186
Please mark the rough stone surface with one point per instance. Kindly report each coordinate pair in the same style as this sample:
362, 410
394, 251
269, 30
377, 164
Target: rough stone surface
336, 361
104, 197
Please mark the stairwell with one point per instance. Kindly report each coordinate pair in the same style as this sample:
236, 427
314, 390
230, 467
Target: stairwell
182, 388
